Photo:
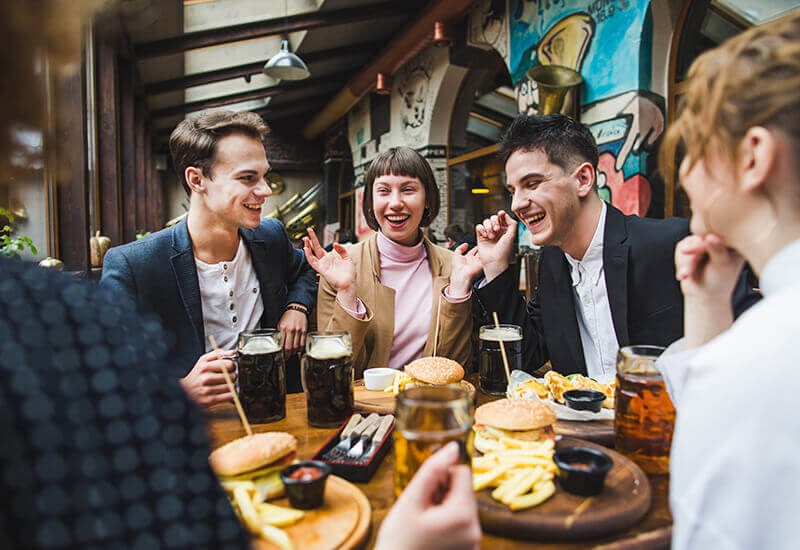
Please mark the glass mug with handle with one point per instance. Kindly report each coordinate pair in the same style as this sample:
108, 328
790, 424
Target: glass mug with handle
644, 416
261, 375
427, 419
327, 377
492, 371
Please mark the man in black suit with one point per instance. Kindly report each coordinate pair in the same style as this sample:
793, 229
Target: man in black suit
223, 269
606, 280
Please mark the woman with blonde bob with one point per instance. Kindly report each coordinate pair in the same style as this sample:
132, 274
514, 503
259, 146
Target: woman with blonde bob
734, 464
389, 290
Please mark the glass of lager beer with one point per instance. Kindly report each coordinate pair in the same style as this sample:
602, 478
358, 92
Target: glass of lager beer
261, 375
327, 377
492, 373
428, 418
644, 416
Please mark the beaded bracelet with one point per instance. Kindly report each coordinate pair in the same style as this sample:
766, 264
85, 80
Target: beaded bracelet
298, 307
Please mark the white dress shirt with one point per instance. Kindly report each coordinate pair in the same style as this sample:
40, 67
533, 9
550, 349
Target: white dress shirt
735, 460
231, 298
595, 325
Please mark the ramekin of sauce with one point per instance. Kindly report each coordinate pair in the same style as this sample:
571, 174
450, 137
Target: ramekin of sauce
582, 471
305, 483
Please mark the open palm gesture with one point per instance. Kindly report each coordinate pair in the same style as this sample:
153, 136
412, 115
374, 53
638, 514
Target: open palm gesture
465, 267
336, 267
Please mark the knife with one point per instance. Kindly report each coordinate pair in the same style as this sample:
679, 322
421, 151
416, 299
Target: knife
374, 423
383, 428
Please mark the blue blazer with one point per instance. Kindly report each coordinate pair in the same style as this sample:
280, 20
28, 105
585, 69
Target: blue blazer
159, 273
645, 298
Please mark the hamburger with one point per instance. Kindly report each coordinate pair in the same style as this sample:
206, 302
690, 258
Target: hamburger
257, 458
435, 371
520, 420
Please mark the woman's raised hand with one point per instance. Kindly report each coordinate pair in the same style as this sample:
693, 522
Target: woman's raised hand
464, 268
337, 268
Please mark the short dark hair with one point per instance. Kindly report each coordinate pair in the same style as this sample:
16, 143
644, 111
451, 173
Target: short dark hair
401, 161
193, 142
566, 142
453, 231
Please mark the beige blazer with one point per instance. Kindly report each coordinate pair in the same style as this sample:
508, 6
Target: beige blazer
372, 337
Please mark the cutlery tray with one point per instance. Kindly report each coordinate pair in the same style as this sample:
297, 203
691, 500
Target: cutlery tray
353, 470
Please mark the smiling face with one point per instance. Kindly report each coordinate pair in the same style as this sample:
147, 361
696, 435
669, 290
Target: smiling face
544, 197
399, 204
237, 187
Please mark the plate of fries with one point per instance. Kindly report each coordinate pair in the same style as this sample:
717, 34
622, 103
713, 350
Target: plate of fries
521, 476
518, 494
342, 522
551, 390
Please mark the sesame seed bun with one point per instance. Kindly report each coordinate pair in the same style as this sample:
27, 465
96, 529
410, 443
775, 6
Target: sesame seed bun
435, 370
251, 452
515, 414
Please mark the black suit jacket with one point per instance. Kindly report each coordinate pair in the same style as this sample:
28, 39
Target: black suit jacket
645, 298
160, 274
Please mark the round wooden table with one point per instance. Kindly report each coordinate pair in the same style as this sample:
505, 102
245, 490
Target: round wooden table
652, 532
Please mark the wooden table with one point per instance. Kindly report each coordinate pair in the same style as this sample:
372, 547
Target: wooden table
652, 532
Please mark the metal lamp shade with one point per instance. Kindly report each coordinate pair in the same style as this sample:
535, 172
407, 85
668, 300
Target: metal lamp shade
285, 65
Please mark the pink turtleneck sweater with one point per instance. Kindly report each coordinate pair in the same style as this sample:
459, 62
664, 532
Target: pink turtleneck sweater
407, 270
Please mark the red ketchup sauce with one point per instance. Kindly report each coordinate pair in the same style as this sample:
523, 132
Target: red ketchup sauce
306, 473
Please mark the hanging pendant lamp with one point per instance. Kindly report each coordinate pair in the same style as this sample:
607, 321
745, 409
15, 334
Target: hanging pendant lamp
285, 65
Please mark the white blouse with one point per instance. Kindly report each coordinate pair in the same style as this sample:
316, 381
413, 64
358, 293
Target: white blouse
735, 461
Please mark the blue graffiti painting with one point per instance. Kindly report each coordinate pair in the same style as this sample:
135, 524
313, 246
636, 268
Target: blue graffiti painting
600, 38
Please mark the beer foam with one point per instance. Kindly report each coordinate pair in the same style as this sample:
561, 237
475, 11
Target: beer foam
329, 348
260, 345
500, 335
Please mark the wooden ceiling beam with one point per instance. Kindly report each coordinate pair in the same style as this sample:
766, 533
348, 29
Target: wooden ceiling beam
270, 27
322, 83
229, 73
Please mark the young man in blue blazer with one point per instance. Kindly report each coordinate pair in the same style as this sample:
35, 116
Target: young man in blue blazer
222, 269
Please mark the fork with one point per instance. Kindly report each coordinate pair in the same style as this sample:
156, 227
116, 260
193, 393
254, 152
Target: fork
339, 452
344, 438
366, 435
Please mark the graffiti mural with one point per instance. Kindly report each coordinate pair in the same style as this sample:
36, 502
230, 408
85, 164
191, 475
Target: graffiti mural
414, 86
488, 25
608, 42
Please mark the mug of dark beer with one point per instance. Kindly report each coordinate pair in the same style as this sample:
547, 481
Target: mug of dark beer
492, 372
261, 375
327, 377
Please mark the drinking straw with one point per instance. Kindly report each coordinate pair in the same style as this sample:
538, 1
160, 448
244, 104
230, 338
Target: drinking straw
436, 334
502, 347
239, 409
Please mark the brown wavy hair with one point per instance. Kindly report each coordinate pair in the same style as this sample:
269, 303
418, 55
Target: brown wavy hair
750, 80
193, 142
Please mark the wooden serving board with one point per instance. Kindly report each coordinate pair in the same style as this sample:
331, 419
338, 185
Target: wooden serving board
342, 521
625, 499
383, 402
597, 431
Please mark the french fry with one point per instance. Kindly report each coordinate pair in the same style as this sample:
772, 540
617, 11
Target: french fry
481, 481
230, 486
526, 482
535, 498
247, 509
278, 515
512, 481
276, 536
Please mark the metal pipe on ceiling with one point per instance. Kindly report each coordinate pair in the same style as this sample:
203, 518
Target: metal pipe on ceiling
412, 39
